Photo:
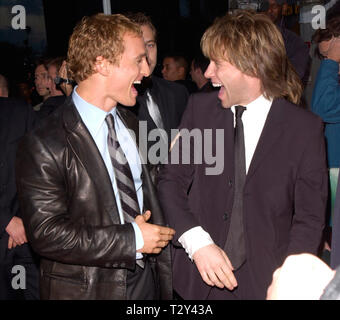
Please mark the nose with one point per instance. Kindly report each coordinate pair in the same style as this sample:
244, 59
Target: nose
210, 70
145, 68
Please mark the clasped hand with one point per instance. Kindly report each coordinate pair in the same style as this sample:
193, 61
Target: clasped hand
155, 237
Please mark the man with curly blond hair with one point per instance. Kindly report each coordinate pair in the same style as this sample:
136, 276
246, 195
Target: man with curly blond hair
88, 201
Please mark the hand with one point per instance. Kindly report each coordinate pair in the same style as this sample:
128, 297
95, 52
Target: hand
11, 243
301, 277
155, 237
66, 88
330, 49
215, 267
16, 231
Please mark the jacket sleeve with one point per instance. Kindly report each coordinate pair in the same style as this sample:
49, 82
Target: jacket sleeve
175, 179
326, 94
50, 228
22, 118
311, 190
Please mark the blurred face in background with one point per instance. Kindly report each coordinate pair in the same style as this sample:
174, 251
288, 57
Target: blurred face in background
171, 70
42, 82
274, 11
151, 46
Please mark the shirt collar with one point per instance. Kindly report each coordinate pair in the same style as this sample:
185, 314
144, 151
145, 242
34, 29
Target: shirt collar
260, 101
92, 116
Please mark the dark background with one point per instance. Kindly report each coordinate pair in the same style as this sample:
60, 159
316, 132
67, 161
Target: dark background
179, 23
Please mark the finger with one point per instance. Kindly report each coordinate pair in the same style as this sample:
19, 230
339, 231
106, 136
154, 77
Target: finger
213, 278
165, 237
156, 250
206, 278
230, 276
166, 230
14, 244
10, 243
222, 277
227, 260
162, 244
146, 215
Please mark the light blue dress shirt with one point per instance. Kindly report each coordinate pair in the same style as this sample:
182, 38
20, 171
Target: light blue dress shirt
94, 119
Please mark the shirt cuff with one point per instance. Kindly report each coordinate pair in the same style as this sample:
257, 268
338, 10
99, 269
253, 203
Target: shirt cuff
139, 240
194, 239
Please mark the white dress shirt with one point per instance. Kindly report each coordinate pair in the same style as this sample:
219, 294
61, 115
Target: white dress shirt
253, 118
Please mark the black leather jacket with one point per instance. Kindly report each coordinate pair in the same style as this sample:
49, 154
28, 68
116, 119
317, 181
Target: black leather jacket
71, 216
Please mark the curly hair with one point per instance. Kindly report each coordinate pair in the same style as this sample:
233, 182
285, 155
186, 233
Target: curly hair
98, 35
253, 44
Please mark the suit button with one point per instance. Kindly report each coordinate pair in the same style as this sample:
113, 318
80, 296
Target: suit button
2, 164
225, 216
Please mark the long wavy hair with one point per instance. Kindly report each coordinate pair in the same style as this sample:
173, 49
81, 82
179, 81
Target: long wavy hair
252, 43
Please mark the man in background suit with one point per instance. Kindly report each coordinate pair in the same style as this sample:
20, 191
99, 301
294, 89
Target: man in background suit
267, 200
169, 98
16, 119
89, 206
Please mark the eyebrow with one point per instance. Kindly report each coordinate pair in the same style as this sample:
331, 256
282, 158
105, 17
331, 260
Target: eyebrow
142, 55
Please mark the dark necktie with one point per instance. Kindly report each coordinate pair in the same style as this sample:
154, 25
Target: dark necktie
235, 245
125, 184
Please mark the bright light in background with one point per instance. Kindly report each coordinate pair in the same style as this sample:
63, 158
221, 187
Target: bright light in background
35, 31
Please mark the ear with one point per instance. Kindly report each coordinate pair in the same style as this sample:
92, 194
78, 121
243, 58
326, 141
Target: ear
181, 71
101, 66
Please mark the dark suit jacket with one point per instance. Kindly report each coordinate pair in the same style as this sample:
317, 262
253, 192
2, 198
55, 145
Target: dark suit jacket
284, 197
171, 99
297, 53
16, 118
50, 105
71, 215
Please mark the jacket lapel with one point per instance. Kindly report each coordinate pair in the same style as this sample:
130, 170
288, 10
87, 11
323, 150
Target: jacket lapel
271, 133
84, 147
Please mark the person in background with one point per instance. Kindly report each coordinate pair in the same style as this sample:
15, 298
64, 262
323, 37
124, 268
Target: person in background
326, 104
3, 86
198, 67
160, 102
57, 96
297, 50
175, 68
16, 119
42, 83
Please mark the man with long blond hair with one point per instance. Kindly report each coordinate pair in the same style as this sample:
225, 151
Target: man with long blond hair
87, 199
269, 200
